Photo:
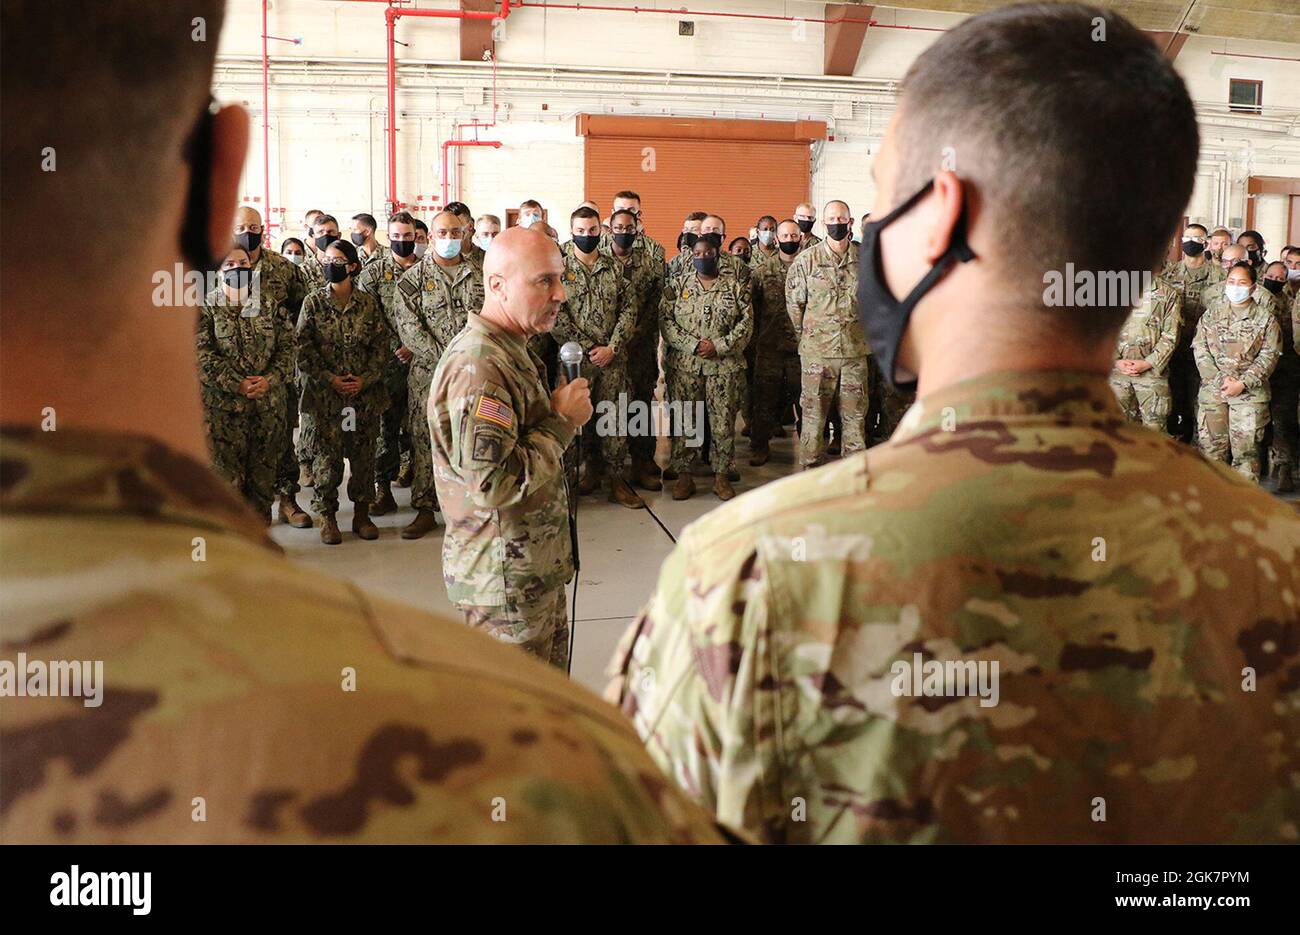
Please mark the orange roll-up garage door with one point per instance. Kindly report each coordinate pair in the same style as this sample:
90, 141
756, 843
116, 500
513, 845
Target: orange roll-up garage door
739, 169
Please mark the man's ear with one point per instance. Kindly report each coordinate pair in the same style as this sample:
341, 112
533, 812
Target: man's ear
229, 146
946, 204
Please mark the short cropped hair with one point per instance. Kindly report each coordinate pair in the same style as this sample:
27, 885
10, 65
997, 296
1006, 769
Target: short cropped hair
367, 219
1063, 136
402, 217
582, 211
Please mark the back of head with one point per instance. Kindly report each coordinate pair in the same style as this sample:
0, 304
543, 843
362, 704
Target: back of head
1067, 120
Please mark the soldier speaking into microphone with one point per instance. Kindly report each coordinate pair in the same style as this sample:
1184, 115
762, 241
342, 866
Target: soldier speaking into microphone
499, 438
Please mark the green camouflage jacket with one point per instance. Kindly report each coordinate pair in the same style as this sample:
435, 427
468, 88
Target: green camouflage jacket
236, 340
335, 341
690, 311
1241, 342
821, 294
817, 663
247, 699
498, 463
435, 304
774, 333
1190, 284
1151, 330
597, 311
643, 278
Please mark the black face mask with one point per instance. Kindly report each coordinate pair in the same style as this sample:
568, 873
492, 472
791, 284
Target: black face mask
884, 318
358, 239
690, 239
804, 224
624, 241
706, 265
335, 273
402, 248
744, 256
1192, 248
1253, 256
248, 240
1273, 285
837, 231
789, 247
237, 277
714, 238
586, 243
324, 240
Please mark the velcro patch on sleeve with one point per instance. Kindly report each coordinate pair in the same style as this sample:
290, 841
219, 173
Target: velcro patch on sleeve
494, 411
487, 445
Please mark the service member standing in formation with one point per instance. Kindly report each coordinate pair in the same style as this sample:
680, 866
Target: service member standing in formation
246, 355
598, 315
643, 281
805, 215
1022, 613
821, 295
765, 246
776, 349
1146, 343
343, 345
1284, 384
498, 440
1237, 345
686, 245
437, 296
706, 320
369, 249
282, 287
1189, 276
380, 279
225, 718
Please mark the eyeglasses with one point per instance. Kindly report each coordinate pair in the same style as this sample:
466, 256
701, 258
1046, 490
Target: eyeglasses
332, 261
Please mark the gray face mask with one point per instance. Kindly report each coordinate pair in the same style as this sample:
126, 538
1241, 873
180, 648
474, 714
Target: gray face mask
766, 237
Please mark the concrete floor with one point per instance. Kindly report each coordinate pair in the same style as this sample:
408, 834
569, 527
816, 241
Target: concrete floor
621, 550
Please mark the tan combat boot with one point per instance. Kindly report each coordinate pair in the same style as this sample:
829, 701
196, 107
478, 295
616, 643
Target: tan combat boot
384, 502
684, 487
647, 475
405, 474
293, 514
722, 487
622, 494
361, 523
589, 481
424, 522
329, 530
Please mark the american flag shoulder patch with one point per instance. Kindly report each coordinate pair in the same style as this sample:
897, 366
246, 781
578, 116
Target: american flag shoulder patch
495, 411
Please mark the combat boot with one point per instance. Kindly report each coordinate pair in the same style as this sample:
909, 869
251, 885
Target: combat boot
647, 475
1285, 479
759, 456
684, 487
329, 530
405, 475
420, 526
384, 502
293, 514
722, 487
361, 523
622, 494
589, 481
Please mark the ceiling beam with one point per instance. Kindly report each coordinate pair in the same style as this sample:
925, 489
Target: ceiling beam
844, 40
1171, 43
475, 34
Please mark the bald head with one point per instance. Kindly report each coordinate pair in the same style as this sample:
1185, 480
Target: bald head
248, 230
522, 282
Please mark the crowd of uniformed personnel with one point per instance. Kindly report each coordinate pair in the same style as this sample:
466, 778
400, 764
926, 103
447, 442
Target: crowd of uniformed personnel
1210, 353
341, 338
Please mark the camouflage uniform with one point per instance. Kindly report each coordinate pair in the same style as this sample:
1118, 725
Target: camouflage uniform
381, 252
809, 241
332, 342
888, 404
1184, 379
224, 685
776, 351
760, 255
1284, 388
821, 295
380, 280
498, 450
722, 312
643, 277
598, 313
642, 245
1242, 343
764, 674
684, 264
313, 274
246, 436
1149, 334
435, 305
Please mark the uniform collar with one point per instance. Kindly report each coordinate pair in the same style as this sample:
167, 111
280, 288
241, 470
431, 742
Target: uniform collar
91, 473
825, 257
1062, 396
603, 259
515, 345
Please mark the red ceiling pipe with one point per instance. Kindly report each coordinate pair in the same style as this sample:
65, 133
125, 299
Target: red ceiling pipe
266, 136
390, 20
495, 144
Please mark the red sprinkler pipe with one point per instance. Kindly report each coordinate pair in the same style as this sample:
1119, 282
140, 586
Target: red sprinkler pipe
495, 144
266, 136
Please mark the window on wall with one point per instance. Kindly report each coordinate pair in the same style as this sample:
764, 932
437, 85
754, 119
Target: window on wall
1245, 95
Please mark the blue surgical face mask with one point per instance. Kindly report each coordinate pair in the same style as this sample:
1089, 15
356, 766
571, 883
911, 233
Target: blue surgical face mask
447, 248
766, 237
528, 220
1236, 294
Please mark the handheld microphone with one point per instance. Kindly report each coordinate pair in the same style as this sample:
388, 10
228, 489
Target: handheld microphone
571, 357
